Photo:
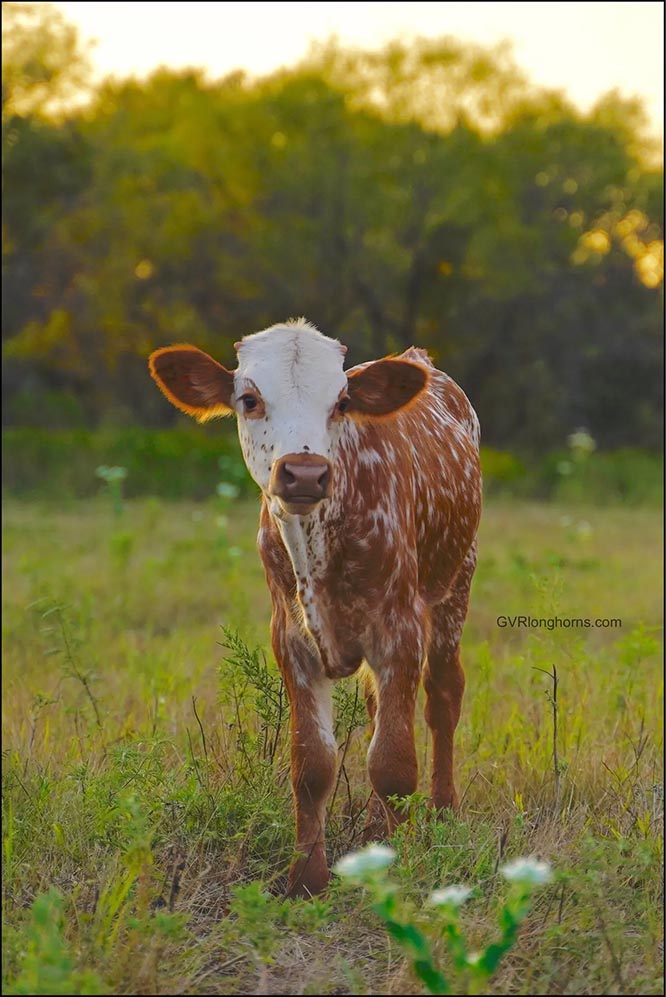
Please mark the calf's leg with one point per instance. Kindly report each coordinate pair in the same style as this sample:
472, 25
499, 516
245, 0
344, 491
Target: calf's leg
375, 827
444, 682
313, 753
392, 763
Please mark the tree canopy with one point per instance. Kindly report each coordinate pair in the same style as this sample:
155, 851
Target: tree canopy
425, 194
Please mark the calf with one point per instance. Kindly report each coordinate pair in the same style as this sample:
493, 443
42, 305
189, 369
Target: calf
371, 501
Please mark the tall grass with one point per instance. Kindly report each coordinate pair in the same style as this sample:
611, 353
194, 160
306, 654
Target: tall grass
147, 815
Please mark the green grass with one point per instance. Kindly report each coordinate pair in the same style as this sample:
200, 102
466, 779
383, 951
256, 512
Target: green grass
147, 823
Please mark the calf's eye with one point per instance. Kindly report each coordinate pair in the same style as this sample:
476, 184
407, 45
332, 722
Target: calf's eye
249, 402
343, 405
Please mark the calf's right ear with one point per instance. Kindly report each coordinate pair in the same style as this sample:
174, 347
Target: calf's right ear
193, 381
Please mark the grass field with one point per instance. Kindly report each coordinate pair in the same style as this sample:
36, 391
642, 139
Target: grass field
147, 824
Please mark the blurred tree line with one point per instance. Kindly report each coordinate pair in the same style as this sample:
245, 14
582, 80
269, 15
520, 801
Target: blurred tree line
425, 194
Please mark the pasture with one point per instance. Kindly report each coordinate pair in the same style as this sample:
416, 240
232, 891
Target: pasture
147, 817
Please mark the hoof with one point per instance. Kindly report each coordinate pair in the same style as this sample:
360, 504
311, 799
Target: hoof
308, 876
376, 824
445, 802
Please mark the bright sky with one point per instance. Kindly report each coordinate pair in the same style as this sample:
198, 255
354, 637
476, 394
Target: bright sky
585, 49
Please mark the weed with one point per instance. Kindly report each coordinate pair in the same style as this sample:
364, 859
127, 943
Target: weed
368, 868
47, 966
114, 477
270, 701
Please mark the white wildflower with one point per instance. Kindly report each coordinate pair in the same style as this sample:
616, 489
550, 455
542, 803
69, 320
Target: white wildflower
227, 490
450, 896
582, 442
370, 859
111, 473
527, 872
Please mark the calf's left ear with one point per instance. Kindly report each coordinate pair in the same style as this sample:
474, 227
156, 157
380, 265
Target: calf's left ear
385, 386
192, 381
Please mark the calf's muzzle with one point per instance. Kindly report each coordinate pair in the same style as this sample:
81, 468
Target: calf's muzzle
300, 481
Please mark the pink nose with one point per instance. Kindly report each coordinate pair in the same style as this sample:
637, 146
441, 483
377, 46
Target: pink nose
301, 478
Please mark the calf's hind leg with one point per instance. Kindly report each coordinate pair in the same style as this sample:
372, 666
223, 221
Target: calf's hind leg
392, 763
375, 827
444, 682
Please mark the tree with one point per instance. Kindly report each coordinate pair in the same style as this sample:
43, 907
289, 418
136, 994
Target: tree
43, 64
426, 194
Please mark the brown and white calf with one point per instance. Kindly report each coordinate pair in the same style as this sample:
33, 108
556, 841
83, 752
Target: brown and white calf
371, 502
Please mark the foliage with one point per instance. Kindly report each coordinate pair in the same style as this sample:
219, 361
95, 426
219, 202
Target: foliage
47, 966
196, 462
269, 696
43, 65
427, 194
171, 464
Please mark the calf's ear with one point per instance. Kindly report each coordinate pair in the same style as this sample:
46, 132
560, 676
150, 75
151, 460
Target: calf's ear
193, 381
385, 387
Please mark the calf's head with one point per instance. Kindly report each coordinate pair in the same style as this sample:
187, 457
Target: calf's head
293, 401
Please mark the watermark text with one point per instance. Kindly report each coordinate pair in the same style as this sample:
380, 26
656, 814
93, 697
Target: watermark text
557, 622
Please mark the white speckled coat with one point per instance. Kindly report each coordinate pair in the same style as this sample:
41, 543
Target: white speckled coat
377, 573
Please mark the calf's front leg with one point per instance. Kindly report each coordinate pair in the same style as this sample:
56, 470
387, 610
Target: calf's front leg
375, 827
313, 752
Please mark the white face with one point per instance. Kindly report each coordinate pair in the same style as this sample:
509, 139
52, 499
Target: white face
297, 374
